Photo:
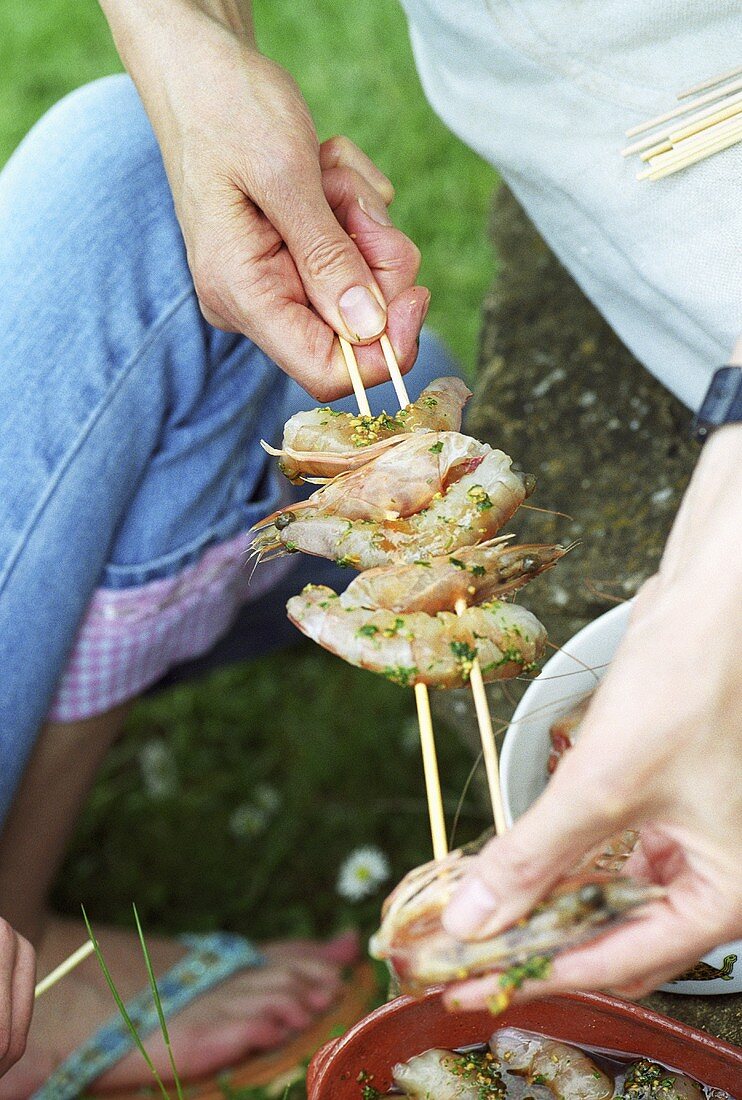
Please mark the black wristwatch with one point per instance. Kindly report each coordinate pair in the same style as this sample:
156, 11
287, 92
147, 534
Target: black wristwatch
721, 405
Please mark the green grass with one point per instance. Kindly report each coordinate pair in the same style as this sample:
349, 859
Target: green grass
232, 802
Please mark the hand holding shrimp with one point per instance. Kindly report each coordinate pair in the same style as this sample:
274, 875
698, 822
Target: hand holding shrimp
658, 748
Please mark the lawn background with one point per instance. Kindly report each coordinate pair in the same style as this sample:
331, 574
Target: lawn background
232, 801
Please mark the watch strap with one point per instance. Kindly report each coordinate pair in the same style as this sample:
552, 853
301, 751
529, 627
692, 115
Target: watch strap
722, 403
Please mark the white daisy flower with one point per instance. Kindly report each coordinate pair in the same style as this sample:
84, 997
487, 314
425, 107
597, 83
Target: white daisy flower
158, 769
362, 873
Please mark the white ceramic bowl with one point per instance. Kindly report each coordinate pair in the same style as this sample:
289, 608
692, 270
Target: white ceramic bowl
565, 678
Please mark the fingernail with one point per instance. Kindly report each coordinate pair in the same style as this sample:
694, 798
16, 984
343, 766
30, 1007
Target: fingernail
375, 210
470, 910
362, 313
426, 307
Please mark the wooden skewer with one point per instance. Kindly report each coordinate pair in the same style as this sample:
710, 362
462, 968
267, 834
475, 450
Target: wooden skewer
666, 133
355, 376
720, 93
691, 128
487, 738
673, 163
64, 968
694, 149
432, 775
710, 83
484, 721
422, 701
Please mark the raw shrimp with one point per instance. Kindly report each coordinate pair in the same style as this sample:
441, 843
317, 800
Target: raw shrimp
564, 731
475, 574
431, 494
418, 648
445, 1075
567, 1072
422, 954
324, 443
647, 1080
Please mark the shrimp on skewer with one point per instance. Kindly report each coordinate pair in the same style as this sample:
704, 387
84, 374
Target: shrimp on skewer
418, 648
567, 1072
324, 443
428, 496
476, 574
422, 954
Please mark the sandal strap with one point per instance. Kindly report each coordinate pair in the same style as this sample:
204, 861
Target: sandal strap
211, 959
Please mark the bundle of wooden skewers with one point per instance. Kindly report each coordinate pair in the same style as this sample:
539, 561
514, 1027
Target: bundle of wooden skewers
703, 124
415, 506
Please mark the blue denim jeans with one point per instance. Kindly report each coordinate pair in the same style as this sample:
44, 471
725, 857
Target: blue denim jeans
129, 427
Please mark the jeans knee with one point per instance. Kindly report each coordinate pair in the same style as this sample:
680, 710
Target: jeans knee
91, 156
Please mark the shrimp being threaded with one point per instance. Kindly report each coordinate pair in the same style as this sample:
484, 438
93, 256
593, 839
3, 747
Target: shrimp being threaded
325, 443
567, 1072
475, 574
429, 495
422, 954
418, 648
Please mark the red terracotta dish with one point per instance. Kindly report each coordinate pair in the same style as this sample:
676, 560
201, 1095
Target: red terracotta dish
405, 1027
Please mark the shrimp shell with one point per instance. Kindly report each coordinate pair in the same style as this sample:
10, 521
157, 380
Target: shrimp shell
324, 443
422, 954
418, 648
384, 514
476, 574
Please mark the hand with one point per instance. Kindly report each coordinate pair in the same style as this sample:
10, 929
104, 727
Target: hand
288, 241
17, 978
660, 748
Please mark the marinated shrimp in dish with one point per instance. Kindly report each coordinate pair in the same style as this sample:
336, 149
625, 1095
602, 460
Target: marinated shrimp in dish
422, 954
418, 648
566, 1071
448, 1075
647, 1080
475, 574
324, 443
431, 494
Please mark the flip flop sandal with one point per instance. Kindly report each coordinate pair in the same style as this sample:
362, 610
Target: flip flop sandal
211, 960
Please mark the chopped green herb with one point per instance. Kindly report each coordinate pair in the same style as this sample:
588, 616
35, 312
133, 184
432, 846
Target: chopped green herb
368, 630
398, 674
430, 402
421, 562
458, 563
436, 448
477, 570
480, 498
349, 561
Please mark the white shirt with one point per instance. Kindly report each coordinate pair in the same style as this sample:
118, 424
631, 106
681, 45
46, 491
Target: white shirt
544, 90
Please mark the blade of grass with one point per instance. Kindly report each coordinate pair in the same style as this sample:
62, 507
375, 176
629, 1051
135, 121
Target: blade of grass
158, 1003
122, 1007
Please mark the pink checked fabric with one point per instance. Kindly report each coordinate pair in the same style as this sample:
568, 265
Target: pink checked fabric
131, 637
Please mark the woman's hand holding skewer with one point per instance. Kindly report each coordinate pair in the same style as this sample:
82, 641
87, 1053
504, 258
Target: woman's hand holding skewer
288, 240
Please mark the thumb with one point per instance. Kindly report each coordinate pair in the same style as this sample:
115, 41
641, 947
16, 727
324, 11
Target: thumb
337, 280
513, 872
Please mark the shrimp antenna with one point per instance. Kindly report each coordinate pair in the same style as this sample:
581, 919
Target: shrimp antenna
547, 511
593, 589
587, 668
462, 799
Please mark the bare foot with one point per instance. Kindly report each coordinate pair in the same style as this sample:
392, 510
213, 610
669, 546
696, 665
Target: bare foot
256, 1010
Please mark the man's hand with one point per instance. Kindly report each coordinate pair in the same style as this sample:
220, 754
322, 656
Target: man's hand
661, 749
17, 978
288, 241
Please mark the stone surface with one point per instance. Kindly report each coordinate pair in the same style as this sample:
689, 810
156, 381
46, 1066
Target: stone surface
720, 1015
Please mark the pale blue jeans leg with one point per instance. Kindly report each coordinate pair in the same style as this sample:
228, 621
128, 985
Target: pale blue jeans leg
129, 427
